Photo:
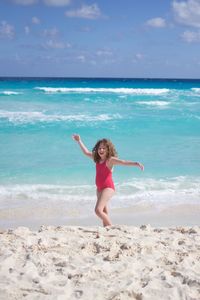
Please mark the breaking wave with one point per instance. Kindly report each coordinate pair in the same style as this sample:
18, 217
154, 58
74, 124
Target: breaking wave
20, 117
134, 91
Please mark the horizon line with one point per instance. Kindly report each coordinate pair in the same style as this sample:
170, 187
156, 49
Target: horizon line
97, 77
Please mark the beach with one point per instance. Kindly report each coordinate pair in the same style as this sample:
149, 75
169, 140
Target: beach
52, 245
99, 125
92, 262
77, 258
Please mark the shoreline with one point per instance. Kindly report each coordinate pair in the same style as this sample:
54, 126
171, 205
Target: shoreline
34, 217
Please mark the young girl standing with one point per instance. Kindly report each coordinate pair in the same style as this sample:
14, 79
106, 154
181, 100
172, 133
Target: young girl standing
105, 157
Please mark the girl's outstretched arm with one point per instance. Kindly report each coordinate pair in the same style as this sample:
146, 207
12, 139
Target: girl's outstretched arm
84, 149
117, 161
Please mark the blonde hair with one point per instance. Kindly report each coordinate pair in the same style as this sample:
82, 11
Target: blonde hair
110, 147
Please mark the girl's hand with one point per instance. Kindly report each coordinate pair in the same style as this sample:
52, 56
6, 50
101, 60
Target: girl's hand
76, 137
140, 166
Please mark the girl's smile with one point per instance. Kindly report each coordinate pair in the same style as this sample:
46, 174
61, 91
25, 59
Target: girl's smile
102, 151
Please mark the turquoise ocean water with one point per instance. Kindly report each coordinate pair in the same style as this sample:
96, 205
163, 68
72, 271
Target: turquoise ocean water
156, 122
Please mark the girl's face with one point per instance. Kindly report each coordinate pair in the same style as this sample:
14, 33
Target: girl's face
102, 151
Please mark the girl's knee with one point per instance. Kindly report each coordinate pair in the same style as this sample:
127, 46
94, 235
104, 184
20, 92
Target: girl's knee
105, 210
98, 211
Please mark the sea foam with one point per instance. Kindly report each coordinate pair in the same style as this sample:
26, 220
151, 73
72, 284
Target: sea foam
162, 104
136, 91
9, 93
160, 193
23, 117
197, 90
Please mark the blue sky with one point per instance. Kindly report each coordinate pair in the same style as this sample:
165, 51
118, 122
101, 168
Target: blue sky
102, 38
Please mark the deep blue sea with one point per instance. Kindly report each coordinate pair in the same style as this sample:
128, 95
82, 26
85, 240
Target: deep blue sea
154, 121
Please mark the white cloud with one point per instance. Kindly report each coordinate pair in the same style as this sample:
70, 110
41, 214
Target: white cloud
27, 29
57, 2
139, 56
56, 45
187, 12
108, 61
86, 11
35, 20
191, 36
104, 53
81, 58
51, 32
156, 22
6, 30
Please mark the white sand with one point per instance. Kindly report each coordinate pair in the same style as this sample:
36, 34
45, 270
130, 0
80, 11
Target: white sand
119, 262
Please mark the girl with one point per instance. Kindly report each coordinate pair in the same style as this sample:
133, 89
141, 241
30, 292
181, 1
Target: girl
105, 157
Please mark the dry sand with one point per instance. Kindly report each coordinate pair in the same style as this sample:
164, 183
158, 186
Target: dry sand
119, 262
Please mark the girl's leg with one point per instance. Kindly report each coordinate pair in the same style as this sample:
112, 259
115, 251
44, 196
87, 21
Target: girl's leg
101, 206
105, 210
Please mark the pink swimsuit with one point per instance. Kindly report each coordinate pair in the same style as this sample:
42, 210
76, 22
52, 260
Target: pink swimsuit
103, 177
